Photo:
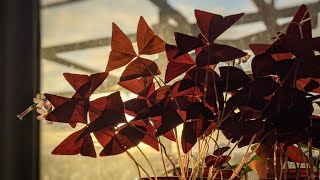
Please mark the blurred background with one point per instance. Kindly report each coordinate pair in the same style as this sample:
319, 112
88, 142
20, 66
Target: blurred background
43, 39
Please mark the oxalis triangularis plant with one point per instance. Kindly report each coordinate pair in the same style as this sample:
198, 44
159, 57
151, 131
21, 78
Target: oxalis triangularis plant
271, 108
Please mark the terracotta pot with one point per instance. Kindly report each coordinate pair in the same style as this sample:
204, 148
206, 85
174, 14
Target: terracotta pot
293, 173
163, 178
171, 178
225, 173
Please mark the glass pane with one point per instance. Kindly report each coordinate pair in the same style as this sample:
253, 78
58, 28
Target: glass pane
76, 39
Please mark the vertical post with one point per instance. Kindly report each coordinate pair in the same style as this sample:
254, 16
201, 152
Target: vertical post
19, 78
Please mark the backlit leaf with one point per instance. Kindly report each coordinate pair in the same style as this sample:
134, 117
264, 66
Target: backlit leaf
122, 51
139, 68
213, 25
72, 147
148, 42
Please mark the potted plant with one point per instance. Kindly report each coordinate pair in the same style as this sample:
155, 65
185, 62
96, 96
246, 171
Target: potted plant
195, 94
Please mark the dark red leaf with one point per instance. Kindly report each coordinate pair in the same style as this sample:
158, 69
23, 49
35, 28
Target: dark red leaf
125, 138
296, 155
134, 106
72, 147
300, 26
262, 87
289, 114
76, 80
153, 111
117, 60
186, 43
197, 123
263, 65
140, 67
150, 135
209, 160
213, 25
197, 110
122, 51
220, 151
157, 122
284, 69
158, 94
170, 135
198, 75
176, 66
167, 109
218, 53
309, 68
104, 135
170, 120
56, 100
188, 137
175, 69
234, 77
148, 42
97, 79
309, 85
79, 81
67, 110
242, 125
217, 161
192, 129
184, 87
147, 91
171, 51
301, 47
111, 115
258, 49
137, 85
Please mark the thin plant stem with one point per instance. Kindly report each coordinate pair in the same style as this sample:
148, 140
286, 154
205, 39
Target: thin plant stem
215, 174
162, 158
286, 165
232, 110
183, 175
226, 91
217, 138
138, 169
281, 164
299, 167
295, 73
305, 163
245, 157
205, 88
216, 95
164, 150
199, 151
131, 157
144, 155
234, 147
210, 174
187, 161
310, 158
298, 60
275, 160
